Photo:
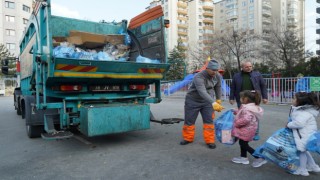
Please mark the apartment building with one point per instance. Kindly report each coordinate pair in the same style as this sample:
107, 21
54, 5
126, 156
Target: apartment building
190, 21
259, 15
318, 28
14, 15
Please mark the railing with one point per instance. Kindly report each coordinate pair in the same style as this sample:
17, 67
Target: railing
280, 90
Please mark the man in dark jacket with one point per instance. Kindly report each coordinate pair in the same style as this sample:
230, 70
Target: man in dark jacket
200, 99
247, 80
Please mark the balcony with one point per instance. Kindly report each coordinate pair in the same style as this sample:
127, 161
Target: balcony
292, 24
207, 14
266, 13
267, 5
208, 27
182, 18
183, 26
318, 31
183, 5
318, 1
292, 16
232, 17
318, 10
318, 41
208, 21
266, 21
182, 33
318, 52
206, 7
182, 11
318, 20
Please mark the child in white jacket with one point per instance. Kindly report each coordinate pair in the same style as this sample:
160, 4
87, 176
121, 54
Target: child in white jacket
303, 114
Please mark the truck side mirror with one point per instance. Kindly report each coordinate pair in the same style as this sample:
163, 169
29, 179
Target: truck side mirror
166, 23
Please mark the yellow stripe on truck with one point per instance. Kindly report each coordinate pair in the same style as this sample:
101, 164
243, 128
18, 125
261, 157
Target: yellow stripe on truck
114, 76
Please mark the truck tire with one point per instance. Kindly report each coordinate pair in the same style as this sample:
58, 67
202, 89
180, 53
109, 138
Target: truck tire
33, 131
16, 99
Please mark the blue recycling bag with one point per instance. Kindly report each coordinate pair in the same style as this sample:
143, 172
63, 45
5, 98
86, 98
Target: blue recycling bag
223, 127
313, 143
280, 148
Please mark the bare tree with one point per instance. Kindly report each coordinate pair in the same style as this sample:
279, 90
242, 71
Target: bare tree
233, 46
284, 48
196, 57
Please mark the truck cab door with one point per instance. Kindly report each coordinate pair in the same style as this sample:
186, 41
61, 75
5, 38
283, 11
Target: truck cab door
147, 35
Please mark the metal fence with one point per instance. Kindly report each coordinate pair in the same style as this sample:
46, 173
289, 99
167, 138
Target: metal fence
280, 90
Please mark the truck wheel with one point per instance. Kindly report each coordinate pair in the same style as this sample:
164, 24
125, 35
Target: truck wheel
33, 131
16, 98
19, 111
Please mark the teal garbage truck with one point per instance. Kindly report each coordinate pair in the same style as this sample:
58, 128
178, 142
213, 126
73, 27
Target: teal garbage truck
94, 77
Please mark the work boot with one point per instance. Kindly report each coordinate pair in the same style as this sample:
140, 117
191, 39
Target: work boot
184, 142
211, 145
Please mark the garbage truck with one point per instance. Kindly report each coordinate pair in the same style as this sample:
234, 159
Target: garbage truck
73, 76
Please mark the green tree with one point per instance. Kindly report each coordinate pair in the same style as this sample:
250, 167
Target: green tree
312, 67
177, 63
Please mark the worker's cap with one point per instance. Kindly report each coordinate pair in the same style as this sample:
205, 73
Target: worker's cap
213, 65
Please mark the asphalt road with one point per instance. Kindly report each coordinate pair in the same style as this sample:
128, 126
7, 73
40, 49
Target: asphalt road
149, 154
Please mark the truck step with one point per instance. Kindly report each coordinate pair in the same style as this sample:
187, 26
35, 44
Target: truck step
167, 120
57, 135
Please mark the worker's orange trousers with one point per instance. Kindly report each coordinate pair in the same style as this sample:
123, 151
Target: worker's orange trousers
188, 133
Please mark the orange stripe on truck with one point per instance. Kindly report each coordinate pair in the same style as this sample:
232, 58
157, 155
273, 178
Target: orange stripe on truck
73, 68
150, 71
147, 16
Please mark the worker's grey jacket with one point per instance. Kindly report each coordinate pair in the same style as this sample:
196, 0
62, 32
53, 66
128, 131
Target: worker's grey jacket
204, 87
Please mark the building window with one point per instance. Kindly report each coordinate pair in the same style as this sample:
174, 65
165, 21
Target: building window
251, 8
25, 21
251, 1
244, 3
9, 18
26, 8
200, 23
10, 32
251, 25
11, 46
9, 4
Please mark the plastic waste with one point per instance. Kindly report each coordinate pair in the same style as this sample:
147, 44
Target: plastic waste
223, 125
142, 59
313, 143
280, 148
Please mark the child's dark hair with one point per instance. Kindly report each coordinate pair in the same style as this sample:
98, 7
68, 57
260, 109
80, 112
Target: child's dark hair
304, 98
252, 96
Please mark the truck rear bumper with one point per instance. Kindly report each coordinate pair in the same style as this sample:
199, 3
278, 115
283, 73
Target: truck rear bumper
108, 119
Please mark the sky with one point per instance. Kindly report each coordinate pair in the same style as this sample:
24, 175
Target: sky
117, 10
97, 10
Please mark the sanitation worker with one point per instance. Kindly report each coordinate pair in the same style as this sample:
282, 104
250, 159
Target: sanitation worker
200, 98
